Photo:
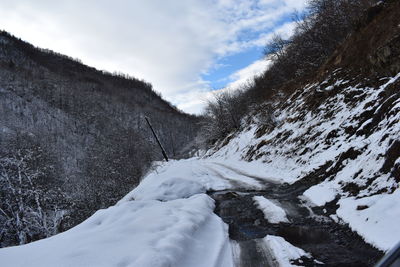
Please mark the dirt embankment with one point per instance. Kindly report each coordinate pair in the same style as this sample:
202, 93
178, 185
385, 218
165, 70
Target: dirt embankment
374, 47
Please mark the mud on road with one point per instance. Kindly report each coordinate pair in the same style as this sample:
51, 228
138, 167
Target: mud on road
310, 229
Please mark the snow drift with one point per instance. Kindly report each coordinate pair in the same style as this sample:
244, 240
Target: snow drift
171, 223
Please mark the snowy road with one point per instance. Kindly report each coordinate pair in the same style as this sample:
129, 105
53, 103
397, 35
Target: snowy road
201, 213
321, 237
235, 191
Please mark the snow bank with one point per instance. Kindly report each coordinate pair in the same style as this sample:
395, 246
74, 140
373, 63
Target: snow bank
282, 251
174, 180
272, 212
134, 233
165, 221
320, 194
184, 178
375, 218
168, 188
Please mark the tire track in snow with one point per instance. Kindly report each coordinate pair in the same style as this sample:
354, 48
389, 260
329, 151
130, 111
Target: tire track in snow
251, 253
237, 185
259, 179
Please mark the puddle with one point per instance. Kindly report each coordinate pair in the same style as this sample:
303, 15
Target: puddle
247, 231
298, 235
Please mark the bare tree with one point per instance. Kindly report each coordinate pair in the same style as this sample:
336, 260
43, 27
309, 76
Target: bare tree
23, 210
276, 47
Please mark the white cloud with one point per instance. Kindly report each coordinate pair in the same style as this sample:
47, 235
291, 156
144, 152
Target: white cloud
246, 75
194, 101
168, 43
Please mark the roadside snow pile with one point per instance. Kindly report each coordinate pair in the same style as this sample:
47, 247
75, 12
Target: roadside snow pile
176, 179
322, 193
184, 178
166, 189
282, 251
175, 228
272, 212
376, 218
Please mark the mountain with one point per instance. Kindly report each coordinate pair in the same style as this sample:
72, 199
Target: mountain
77, 135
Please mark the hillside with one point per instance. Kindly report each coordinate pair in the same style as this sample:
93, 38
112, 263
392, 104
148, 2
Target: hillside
307, 174
335, 140
77, 134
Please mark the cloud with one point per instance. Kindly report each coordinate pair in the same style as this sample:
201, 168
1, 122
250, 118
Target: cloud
246, 75
168, 43
194, 101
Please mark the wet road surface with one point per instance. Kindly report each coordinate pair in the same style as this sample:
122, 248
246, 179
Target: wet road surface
310, 229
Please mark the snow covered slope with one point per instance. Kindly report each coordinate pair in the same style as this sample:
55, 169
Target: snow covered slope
344, 146
337, 138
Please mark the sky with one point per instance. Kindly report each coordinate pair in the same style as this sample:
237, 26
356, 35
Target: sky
185, 48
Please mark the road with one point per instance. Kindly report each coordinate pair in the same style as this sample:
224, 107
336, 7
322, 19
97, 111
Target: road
311, 229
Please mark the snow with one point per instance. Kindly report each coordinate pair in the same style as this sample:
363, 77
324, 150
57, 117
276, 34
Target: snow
166, 189
280, 170
320, 194
176, 179
282, 251
379, 223
272, 212
319, 138
168, 219
163, 227
209, 246
183, 178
